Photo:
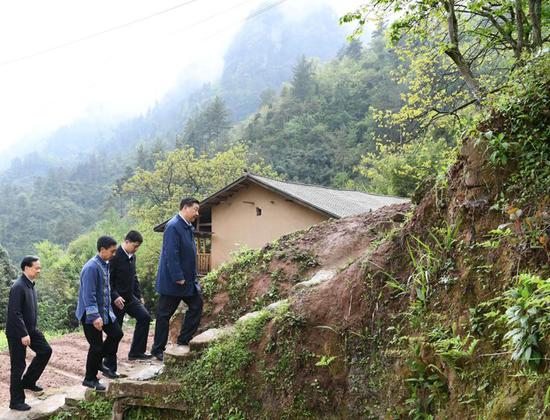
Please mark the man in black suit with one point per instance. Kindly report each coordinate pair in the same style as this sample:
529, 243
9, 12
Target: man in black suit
21, 332
127, 298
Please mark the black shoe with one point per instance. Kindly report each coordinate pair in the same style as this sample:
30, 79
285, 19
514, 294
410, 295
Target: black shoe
182, 343
33, 388
159, 356
109, 373
141, 356
94, 384
20, 407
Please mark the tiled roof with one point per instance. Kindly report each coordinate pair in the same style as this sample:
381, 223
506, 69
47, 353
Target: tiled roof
338, 203
332, 202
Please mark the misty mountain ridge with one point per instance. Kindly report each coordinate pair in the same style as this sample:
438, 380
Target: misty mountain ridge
259, 58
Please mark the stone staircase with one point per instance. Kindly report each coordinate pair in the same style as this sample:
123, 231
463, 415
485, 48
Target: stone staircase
63, 376
54, 400
128, 392
139, 387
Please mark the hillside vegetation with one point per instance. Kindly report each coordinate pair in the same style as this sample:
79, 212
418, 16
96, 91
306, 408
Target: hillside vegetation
439, 311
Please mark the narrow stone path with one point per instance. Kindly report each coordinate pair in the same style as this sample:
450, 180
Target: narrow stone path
63, 376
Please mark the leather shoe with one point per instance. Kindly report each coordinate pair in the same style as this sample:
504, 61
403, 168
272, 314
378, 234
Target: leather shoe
94, 384
159, 356
20, 407
142, 356
33, 388
109, 373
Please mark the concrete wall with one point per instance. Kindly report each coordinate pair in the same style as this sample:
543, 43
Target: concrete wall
235, 223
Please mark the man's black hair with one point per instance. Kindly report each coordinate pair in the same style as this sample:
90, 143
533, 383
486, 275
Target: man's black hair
28, 261
187, 202
105, 242
134, 236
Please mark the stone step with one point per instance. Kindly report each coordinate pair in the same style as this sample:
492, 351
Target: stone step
178, 354
201, 341
47, 404
75, 394
248, 316
256, 314
145, 372
141, 389
276, 305
318, 278
53, 400
127, 392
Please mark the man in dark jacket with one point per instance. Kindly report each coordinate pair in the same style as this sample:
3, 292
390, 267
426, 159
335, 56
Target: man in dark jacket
21, 332
177, 277
126, 297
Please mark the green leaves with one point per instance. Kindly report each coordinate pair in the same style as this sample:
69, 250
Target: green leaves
325, 361
398, 169
217, 382
523, 142
501, 147
155, 194
528, 316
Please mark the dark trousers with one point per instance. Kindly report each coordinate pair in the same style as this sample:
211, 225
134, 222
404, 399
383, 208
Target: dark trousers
18, 353
136, 310
99, 348
167, 305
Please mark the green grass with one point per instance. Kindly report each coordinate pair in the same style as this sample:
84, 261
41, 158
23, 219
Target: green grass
50, 335
3, 341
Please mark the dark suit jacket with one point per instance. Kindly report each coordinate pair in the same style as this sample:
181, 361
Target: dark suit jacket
22, 308
177, 259
123, 277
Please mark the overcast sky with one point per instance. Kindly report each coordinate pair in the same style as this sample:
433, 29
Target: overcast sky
120, 72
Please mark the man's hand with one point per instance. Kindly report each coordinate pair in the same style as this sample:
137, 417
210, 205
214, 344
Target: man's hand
26, 341
142, 301
119, 302
98, 324
181, 282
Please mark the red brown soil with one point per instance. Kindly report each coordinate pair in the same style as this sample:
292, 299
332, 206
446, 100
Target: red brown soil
359, 301
334, 243
67, 365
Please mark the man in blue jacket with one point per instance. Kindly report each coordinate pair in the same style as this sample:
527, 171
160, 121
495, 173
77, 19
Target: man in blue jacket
177, 277
96, 314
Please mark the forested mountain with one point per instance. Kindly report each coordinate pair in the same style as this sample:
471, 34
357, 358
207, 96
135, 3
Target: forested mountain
60, 191
255, 62
57, 206
260, 57
319, 126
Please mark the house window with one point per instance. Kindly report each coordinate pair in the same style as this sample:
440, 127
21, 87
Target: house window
258, 211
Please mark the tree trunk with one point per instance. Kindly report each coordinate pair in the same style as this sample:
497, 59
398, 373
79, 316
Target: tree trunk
535, 17
454, 51
519, 28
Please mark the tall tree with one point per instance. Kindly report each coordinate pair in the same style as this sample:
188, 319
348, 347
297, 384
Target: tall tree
155, 194
353, 50
206, 129
216, 121
471, 33
303, 81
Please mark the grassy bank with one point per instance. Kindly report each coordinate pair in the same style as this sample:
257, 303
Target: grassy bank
50, 335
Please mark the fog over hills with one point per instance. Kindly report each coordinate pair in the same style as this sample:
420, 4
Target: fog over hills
259, 57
